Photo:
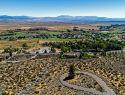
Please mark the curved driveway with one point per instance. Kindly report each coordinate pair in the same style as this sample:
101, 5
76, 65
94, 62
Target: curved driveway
109, 92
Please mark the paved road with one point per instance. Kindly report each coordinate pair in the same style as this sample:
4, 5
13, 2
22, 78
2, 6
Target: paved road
31, 54
26, 54
21, 60
109, 92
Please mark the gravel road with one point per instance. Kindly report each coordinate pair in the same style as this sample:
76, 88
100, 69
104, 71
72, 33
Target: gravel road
102, 83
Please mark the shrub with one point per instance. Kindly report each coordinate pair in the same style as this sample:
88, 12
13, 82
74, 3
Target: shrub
37, 92
24, 45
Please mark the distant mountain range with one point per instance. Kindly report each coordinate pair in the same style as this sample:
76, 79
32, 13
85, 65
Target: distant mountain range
62, 18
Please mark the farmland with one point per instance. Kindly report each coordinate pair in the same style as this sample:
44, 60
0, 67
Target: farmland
51, 26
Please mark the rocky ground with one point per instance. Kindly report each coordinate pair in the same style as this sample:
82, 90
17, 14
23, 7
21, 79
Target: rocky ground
42, 75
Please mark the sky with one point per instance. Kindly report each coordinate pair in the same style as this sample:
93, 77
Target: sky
53, 8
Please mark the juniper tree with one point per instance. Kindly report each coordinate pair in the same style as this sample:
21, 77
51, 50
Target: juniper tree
80, 56
24, 45
110, 54
10, 52
45, 51
72, 71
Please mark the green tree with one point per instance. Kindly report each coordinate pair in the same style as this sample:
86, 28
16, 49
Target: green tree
61, 55
1, 59
116, 53
102, 46
38, 41
85, 50
95, 53
70, 49
53, 50
37, 52
6, 50
110, 54
103, 53
68, 30
72, 71
45, 51
24, 45
10, 53
101, 89
80, 56
62, 49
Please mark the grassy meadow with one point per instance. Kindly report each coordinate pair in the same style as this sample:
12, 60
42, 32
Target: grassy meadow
48, 32
115, 31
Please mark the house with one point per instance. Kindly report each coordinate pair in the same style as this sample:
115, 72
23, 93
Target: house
1, 38
123, 37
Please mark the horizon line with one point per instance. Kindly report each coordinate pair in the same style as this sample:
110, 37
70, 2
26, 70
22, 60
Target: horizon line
57, 16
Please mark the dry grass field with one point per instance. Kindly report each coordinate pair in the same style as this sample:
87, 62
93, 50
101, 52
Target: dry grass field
43, 41
12, 26
42, 75
51, 26
30, 42
55, 27
18, 43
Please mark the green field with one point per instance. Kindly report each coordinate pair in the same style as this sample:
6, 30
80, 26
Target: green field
60, 30
115, 31
23, 34
100, 24
18, 43
110, 38
48, 32
57, 39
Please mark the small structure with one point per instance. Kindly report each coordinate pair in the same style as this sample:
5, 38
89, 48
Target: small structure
98, 56
123, 36
123, 30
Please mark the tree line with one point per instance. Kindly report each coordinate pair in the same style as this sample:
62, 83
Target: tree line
88, 45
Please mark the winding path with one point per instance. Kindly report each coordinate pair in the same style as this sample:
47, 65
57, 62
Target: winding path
99, 80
